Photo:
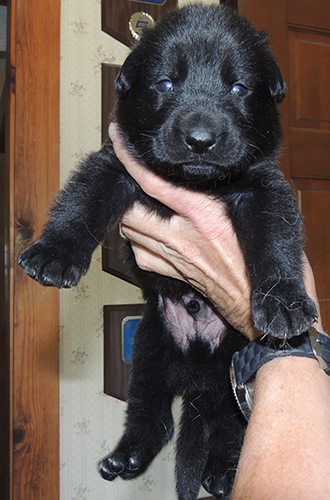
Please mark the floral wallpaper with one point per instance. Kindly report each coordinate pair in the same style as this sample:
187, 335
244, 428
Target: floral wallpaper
90, 421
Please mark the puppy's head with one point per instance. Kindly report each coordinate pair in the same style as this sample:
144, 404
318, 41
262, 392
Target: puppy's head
198, 95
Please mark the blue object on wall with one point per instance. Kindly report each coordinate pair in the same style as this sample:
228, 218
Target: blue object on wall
155, 2
128, 329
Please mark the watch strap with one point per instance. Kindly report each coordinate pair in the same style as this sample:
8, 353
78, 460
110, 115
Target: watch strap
250, 359
257, 353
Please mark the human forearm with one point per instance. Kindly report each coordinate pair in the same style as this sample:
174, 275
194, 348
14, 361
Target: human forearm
286, 452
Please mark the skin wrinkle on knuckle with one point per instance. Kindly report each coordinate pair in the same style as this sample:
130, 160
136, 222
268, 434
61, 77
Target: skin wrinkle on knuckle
149, 261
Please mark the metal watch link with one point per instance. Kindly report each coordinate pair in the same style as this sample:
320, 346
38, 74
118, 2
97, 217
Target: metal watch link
246, 363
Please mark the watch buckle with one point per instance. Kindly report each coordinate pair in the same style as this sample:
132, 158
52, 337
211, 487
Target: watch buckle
317, 348
243, 392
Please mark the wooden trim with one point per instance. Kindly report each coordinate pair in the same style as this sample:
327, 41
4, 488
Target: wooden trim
112, 261
109, 95
232, 4
32, 312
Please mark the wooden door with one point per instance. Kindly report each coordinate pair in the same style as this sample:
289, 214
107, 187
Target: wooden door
29, 314
300, 37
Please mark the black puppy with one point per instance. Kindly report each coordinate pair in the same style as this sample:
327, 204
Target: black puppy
197, 105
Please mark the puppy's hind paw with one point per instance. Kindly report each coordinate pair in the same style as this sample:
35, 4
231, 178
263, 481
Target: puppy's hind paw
108, 470
219, 487
121, 465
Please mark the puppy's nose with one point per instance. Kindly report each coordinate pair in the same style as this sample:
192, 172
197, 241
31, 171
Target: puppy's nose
200, 140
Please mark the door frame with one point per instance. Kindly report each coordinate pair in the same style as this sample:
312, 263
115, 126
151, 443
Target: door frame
30, 325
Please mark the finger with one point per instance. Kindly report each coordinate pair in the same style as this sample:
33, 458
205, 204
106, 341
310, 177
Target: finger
176, 241
145, 222
149, 261
234, 306
157, 248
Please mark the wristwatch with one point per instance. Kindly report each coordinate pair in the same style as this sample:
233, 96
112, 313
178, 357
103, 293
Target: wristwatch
246, 363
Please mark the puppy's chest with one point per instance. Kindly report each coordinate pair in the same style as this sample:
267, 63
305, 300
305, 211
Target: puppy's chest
192, 319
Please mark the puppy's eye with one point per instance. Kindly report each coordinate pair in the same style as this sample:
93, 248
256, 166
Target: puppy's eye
164, 85
239, 89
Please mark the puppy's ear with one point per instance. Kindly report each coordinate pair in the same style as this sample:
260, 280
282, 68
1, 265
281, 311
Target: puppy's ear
125, 78
277, 85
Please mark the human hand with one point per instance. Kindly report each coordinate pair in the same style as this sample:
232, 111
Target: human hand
197, 244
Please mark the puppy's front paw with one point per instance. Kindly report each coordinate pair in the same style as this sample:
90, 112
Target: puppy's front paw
126, 464
59, 265
282, 309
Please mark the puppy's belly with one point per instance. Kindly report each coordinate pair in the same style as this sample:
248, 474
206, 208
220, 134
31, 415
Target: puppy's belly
193, 318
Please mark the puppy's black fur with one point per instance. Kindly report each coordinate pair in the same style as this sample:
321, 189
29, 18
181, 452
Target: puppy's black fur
197, 105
